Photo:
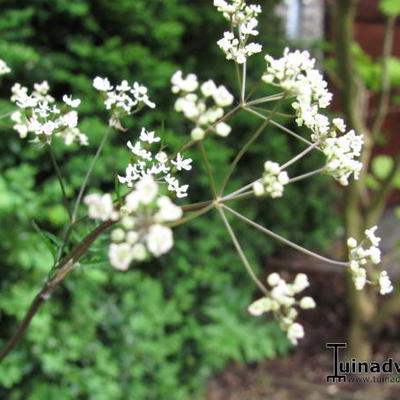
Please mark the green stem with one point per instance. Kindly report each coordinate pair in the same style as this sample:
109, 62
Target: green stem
241, 253
306, 175
283, 240
208, 168
60, 181
247, 145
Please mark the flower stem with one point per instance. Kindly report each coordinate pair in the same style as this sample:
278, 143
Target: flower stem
60, 181
283, 240
241, 252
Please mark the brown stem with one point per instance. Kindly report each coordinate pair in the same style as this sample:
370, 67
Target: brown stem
385, 78
65, 266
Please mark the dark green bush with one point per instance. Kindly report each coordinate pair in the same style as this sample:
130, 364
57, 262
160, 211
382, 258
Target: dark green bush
161, 329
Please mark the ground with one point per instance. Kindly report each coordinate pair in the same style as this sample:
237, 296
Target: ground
302, 374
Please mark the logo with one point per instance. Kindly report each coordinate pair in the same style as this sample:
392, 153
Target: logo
344, 371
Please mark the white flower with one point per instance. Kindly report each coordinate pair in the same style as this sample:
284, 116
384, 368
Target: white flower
69, 101
168, 211
120, 255
4, 69
159, 239
182, 163
139, 252
258, 188
351, 242
102, 84
148, 137
273, 181
222, 129
208, 88
118, 235
385, 284
260, 306
300, 282
180, 84
222, 97
197, 133
146, 190
307, 302
273, 279
295, 332
370, 234
100, 206
339, 124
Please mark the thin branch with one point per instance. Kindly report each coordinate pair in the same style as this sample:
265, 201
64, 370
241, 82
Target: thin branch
243, 91
300, 155
208, 168
278, 125
306, 175
247, 145
385, 78
283, 240
60, 181
89, 173
241, 253
66, 265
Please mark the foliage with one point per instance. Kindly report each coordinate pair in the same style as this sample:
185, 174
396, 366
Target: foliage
161, 329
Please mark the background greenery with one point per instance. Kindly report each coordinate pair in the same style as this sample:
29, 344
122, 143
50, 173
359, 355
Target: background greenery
161, 329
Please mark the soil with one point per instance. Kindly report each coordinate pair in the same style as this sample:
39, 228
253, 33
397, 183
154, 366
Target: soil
301, 375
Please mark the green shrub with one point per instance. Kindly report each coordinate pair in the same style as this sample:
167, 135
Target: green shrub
161, 329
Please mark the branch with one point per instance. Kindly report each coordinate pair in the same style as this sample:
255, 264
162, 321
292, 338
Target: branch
377, 205
385, 78
65, 266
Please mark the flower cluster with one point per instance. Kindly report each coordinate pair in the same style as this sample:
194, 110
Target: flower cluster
194, 105
281, 301
142, 220
341, 153
157, 165
364, 253
122, 100
40, 115
4, 69
272, 181
243, 18
296, 74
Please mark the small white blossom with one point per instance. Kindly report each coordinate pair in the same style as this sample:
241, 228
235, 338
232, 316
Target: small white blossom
180, 84
69, 101
307, 302
4, 69
102, 84
222, 129
159, 239
182, 163
120, 255
197, 133
295, 332
272, 181
385, 284
148, 137
100, 207
222, 96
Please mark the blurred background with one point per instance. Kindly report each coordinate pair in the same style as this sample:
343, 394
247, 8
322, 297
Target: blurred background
177, 328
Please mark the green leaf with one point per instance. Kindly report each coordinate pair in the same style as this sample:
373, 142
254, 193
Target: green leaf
48, 240
390, 7
371, 182
381, 166
397, 212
